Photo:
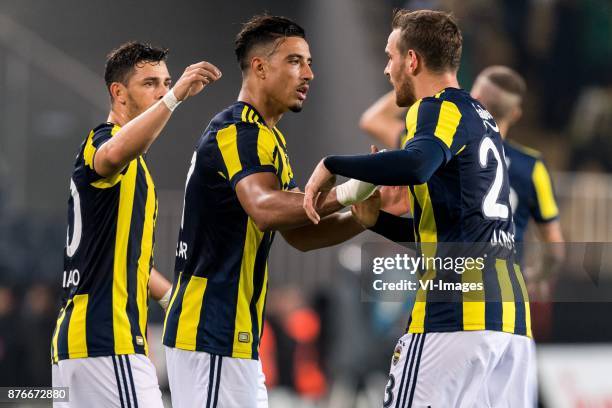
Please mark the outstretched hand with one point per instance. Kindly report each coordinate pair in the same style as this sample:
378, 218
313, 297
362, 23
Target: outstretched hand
319, 182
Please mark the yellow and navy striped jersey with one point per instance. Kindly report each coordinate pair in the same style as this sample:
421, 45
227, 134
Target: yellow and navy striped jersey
531, 189
465, 201
221, 273
107, 259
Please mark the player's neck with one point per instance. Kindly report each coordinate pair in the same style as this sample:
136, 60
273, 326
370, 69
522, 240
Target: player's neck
270, 111
503, 129
117, 117
430, 84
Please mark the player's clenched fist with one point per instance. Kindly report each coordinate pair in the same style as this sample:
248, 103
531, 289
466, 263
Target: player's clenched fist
194, 79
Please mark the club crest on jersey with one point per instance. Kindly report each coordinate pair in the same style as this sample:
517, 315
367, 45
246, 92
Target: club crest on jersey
397, 353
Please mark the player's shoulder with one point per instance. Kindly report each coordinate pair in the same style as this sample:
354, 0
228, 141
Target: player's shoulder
104, 127
427, 107
97, 136
450, 100
103, 130
514, 149
475, 118
239, 116
92, 141
522, 160
238, 124
461, 99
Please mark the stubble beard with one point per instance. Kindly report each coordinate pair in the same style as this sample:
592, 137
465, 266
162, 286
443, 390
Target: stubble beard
134, 108
404, 94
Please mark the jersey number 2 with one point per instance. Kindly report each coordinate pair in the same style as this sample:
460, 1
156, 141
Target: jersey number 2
490, 207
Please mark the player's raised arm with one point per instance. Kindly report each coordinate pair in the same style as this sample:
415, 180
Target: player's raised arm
383, 121
136, 137
102, 324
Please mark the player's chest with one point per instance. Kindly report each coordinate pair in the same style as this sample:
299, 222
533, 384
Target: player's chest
280, 157
283, 166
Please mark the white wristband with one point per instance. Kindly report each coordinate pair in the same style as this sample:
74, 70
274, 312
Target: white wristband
165, 300
353, 191
170, 100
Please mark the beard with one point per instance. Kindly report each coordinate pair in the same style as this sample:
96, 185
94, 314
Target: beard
404, 92
295, 108
135, 108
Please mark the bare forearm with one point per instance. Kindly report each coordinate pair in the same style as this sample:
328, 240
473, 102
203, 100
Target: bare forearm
132, 140
279, 210
331, 230
552, 235
137, 135
158, 284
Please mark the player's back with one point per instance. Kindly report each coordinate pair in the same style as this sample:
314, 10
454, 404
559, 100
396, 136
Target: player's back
465, 205
531, 190
221, 260
467, 198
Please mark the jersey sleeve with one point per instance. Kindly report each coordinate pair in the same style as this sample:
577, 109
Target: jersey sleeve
436, 119
94, 142
246, 148
544, 207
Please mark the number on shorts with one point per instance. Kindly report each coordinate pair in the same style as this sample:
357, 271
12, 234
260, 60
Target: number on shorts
389, 392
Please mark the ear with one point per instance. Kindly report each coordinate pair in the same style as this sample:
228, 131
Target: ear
516, 114
412, 62
119, 92
259, 67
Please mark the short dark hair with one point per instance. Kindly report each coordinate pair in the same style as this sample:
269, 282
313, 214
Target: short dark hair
505, 78
263, 29
121, 61
432, 34
508, 80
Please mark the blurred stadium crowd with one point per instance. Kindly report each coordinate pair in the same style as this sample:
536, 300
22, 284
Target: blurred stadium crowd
321, 342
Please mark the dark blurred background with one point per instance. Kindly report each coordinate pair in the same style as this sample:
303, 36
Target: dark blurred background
325, 346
